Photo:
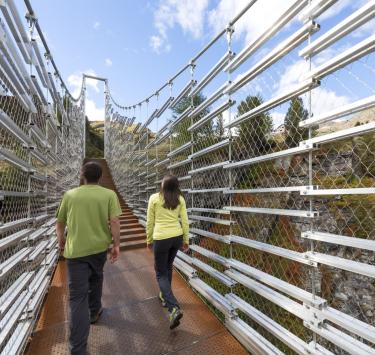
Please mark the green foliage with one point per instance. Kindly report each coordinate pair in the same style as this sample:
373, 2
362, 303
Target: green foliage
255, 132
296, 113
94, 141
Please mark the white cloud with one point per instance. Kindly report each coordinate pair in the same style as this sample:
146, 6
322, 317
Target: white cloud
189, 15
108, 62
96, 25
93, 112
75, 81
324, 100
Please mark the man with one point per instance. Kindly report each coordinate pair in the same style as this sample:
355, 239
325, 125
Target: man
87, 212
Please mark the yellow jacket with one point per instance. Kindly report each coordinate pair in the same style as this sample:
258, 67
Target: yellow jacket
163, 223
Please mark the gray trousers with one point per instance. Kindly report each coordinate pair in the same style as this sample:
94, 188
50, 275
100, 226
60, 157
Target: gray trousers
85, 292
164, 253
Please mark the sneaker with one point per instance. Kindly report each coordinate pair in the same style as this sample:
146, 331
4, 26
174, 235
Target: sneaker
95, 317
174, 318
162, 300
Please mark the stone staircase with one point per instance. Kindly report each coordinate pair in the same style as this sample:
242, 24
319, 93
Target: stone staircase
132, 234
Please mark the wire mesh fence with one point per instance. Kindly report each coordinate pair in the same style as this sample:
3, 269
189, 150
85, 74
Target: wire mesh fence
41, 151
274, 151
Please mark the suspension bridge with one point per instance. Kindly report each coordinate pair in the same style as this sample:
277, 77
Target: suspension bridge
273, 145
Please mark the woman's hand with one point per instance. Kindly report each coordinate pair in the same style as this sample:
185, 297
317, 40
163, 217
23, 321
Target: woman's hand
185, 247
149, 246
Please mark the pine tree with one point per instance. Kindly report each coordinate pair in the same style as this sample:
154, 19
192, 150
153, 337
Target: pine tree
295, 114
254, 133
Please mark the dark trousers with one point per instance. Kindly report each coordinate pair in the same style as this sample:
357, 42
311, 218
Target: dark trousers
164, 253
85, 293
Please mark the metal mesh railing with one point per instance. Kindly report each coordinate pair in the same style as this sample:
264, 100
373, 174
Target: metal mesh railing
274, 150
41, 151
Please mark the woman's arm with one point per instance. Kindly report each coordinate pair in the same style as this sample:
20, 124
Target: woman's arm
150, 221
184, 222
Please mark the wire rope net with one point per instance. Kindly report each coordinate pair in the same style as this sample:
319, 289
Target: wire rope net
274, 151
41, 151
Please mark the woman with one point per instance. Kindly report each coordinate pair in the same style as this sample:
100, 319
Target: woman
167, 235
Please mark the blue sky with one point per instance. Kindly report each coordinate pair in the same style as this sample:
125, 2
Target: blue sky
139, 44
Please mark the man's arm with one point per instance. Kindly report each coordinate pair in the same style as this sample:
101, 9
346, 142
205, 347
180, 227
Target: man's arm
60, 231
115, 230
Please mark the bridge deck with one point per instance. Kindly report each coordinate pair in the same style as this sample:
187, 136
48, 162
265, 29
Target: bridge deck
133, 321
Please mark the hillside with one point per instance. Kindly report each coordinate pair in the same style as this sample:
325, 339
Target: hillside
94, 139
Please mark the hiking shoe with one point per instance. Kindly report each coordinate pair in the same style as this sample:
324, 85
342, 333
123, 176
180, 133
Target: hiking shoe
174, 318
162, 300
95, 317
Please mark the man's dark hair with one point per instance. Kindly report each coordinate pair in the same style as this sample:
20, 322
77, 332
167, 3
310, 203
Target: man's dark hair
92, 172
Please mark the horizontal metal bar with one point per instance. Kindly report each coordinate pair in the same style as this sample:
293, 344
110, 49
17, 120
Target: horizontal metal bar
184, 178
303, 148
185, 268
341, 339
341, 263
6, 227
14, 238
150, 162
250, 339
225, 222
164, 107
354, 325
180, 118
209, 101
273, 56
291, 93
150, 119
188, 259
278, 284
349, 109
208, 210
316, 8
162, 162
208, 167
277, 298
9, 156
340, 240
179, 149
224, 279
344, 27
209, 254
217, 111
212, 73
39, 89
343, 59
284, 19
162, 138
274, 328
210, 149
343, 134
334, 192
179, 163
183, 93
211, 235
8, 298
7, 123
273, 211
272, 249
214, 297
8, 264
280, 189
203, 191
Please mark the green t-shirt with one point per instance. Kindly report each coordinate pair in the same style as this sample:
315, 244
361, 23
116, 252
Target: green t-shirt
86, 211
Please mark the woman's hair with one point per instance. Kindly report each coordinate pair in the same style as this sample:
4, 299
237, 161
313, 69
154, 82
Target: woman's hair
170, 191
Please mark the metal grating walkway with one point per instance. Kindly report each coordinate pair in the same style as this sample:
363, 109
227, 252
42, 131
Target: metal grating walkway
133, 321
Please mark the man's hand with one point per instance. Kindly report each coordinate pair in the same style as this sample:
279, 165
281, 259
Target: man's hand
114, 254
62, 244
185, 247
149, 246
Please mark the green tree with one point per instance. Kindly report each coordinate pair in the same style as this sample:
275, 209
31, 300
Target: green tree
295, 114
254, 133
